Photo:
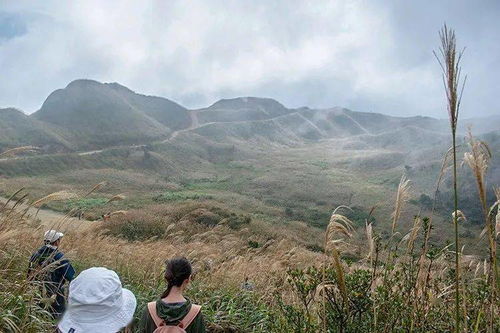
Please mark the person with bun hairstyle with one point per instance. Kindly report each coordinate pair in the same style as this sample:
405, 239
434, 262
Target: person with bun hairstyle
173, 309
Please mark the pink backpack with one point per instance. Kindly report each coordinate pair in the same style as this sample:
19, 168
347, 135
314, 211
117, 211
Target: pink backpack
162, 327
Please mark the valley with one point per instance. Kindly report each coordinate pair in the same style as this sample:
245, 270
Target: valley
278, 166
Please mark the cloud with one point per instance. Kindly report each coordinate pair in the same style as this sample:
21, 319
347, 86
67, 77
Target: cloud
364, 55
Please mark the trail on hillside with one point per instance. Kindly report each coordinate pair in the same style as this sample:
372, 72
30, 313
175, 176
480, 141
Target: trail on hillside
50, 219
193, 126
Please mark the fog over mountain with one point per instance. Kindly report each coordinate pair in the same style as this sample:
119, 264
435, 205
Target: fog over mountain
372, 56
87, 114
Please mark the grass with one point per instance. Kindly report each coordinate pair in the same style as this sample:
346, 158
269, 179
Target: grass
450, 63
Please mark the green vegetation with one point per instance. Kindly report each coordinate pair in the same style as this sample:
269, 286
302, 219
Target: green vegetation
87, 203
177, 196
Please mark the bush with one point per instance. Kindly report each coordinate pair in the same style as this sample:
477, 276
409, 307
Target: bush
136, 230
237, 221
315, 248
253, 244
359, 216
205, 217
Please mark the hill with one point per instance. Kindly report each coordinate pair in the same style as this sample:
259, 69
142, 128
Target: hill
17, 129
95, 115
242, 109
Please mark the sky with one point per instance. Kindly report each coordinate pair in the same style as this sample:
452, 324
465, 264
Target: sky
372, 56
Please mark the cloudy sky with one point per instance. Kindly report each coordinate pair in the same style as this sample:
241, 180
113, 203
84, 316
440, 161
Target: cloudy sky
373, 56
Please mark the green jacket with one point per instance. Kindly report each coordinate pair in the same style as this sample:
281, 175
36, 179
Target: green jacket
172, 313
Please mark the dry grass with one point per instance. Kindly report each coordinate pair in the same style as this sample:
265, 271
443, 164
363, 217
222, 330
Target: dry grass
371, 241
492, 209
117, 197
410, 237
337, 232
403, 194
56, 196
478, 159
118, 213
449, 60
96, 188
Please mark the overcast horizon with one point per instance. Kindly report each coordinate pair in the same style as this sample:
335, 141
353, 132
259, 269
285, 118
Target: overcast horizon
370, 56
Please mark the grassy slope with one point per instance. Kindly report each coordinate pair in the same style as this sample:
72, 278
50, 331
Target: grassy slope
17, 129
276, 185
94, 115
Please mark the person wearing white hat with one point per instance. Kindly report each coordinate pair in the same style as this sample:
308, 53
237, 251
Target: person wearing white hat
97, 303
49, 266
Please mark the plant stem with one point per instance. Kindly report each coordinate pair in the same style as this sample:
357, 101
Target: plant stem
455, 220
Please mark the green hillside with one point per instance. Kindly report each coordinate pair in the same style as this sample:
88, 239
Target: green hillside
17, 129
96, 115
242, 109
168, 113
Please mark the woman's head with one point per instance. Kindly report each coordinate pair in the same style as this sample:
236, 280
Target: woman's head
177, 273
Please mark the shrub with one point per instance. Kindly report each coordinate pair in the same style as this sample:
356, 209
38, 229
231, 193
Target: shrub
359, 216
237, 221
204, 217
315, 248
136, 230
253, 244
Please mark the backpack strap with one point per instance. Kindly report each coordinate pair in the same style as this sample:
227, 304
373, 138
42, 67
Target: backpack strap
152, 312
188, 319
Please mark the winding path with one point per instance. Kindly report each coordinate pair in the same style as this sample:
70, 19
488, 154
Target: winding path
193, 114
50, 219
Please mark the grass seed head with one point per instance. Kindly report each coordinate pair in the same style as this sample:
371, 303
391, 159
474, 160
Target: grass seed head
56, 196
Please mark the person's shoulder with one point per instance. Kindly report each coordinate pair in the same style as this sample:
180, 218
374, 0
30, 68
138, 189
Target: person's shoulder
38, 253
59, 255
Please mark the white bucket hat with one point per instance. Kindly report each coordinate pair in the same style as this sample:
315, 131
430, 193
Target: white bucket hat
52, 235
97, 303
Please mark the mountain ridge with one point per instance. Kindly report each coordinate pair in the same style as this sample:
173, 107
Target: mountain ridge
88, 114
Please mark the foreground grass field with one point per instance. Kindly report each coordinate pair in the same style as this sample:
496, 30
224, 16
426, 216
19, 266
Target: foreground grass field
397, 284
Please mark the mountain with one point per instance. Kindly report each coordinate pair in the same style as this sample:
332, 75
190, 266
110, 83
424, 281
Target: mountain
167, 112
251, 120
242, 109
96, 115
88, 115
17, 129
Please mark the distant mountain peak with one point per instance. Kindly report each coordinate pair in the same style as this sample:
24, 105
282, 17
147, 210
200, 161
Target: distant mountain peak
11, 110
83, 83
119, 87
247, 102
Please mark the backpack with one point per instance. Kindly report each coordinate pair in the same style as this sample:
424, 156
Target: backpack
162, 327
38, 267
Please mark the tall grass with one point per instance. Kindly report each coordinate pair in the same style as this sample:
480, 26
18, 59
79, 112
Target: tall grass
449, 59
402, 197
478, 159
